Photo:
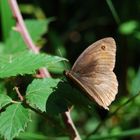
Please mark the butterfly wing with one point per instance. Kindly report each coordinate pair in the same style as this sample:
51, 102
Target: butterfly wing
93, 70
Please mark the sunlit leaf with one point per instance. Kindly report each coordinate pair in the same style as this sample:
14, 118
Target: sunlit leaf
4, 100
26, 63
37, 28
55, 64
21, 63
128, 27
13, 121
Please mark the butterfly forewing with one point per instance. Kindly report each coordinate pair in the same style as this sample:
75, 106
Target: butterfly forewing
100, 56
93, 72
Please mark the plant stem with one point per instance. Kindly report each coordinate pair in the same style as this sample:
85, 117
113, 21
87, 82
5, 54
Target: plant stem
70, 126
19, 94
21, 28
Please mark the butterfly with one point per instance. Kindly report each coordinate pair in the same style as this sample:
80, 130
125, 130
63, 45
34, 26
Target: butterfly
93, 72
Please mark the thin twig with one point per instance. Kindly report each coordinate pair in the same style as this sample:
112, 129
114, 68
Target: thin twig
112, 114
18, 93
70, 126
21, 28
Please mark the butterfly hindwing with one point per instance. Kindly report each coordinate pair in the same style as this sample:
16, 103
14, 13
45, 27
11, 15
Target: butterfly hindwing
100, 87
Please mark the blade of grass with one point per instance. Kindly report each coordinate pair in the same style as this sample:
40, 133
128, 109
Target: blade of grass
34, 136
119, 135
114, 12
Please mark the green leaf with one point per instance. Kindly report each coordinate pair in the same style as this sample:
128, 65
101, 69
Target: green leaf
26, 63
2, 88
39, 90
4, 100
1, 47
36, 29
55, 64
128, 27
13, 121
57, 68
14, 45
7, 20
21, 63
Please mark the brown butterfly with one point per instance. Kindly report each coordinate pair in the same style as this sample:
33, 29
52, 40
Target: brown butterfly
93, 72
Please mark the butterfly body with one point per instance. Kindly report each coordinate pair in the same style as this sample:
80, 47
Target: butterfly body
93, 72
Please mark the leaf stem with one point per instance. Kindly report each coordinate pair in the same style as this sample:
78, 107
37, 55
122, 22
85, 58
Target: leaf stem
21, 28
19, 94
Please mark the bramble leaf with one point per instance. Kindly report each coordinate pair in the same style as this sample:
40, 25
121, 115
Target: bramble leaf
21, 63
13, 121
39, 91
4, 100
26, 63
